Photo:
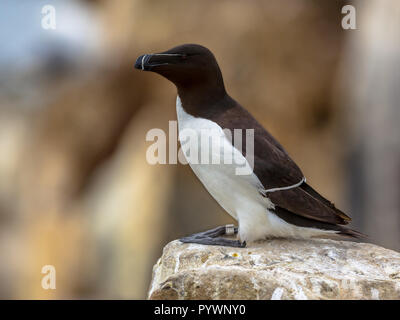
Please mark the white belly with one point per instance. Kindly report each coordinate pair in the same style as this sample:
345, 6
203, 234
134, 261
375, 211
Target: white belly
238, 194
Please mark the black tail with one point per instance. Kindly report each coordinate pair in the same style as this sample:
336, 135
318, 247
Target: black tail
352, 233
300, 221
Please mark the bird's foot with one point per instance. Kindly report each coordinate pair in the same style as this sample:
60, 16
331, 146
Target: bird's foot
212, 237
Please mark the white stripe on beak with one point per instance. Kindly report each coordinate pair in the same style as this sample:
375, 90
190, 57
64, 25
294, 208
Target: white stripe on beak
143, 61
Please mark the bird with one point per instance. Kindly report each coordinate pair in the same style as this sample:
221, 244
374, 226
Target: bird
273, 200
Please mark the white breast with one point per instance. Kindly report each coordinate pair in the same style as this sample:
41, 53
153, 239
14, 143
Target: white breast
239, 195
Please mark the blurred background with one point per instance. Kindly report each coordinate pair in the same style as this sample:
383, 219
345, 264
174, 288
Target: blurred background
76, 191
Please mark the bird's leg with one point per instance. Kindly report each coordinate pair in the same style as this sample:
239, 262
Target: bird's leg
212, 237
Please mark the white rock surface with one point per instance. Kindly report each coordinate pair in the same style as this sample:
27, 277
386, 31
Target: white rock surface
277, 269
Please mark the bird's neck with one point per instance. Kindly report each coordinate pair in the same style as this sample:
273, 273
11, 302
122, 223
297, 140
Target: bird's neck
202, 98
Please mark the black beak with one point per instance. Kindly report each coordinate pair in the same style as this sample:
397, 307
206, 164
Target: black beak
142, 62
147, 62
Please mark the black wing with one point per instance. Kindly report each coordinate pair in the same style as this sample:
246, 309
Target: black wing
274, 168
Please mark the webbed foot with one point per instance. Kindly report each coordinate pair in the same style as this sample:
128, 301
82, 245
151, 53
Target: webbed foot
212, 237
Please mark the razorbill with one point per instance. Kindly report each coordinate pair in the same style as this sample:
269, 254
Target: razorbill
273, 199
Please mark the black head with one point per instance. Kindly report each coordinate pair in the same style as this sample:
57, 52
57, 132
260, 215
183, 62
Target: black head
187, 66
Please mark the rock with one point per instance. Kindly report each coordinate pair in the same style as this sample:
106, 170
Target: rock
277, 269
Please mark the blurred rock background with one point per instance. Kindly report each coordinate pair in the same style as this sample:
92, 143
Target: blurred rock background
76, 191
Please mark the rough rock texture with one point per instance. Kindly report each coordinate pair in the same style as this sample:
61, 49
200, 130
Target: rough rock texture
277, 269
